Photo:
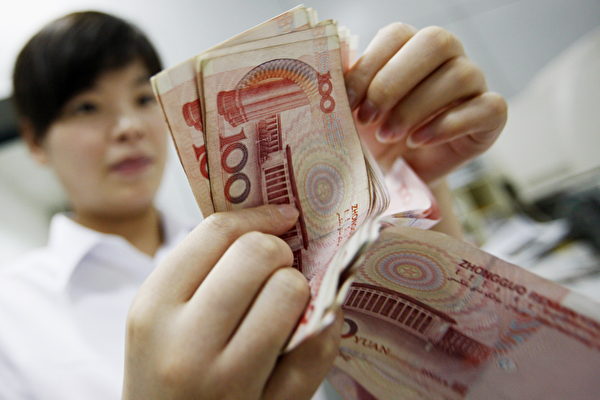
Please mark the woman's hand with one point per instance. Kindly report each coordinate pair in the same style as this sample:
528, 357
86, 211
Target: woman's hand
419, 97
211, 321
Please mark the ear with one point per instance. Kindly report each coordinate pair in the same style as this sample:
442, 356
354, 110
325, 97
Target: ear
34, 144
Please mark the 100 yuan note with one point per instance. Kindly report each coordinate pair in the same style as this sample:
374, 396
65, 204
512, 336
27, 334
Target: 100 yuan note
431, 317
176, 92
179, 98
279, 130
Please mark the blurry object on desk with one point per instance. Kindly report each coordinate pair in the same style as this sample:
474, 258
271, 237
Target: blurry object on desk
523, 241
549, 250
553, 131
550, 170
582, 210
480, 199
557, 236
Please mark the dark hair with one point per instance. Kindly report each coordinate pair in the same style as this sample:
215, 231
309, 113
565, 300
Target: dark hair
67, 56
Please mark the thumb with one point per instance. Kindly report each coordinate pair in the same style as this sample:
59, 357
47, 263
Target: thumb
181, 273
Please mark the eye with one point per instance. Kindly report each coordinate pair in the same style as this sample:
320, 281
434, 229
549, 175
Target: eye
84, 108
145, 99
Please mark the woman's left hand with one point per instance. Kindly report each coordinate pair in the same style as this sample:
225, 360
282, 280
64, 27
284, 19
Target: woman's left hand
417, 96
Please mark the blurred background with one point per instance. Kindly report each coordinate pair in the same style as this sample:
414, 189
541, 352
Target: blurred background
534, 199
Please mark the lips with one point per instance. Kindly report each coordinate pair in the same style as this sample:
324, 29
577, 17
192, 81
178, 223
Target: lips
131, 165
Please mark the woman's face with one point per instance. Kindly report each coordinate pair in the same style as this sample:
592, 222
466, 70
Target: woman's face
108, 145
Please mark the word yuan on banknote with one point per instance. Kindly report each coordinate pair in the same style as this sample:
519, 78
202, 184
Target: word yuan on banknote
430, 317
263, 118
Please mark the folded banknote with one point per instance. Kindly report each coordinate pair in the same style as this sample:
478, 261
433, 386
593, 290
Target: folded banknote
263, 118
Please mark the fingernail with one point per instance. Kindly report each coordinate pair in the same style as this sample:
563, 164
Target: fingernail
420, 137
387, 134
352, 98
288, 211
368, 112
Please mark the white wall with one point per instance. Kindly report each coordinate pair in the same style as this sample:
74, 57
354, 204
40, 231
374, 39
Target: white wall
552, 138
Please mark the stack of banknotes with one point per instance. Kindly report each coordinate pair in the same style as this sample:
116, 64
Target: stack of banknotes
263, 118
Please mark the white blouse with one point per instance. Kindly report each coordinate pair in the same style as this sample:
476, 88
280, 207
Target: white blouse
63, 310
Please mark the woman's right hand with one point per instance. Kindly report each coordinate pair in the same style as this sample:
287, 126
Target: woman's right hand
211, 321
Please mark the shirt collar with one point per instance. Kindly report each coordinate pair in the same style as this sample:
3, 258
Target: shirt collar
71, 242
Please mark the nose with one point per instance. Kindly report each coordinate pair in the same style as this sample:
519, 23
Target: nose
127, 128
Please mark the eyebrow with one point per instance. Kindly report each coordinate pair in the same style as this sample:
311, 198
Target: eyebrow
141, 80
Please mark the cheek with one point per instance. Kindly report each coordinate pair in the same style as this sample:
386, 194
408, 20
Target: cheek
158, 135
76, 155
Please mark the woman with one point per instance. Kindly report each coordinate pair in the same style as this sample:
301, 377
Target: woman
81, 91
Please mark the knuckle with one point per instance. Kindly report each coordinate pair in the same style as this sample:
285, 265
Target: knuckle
357, 77
498, 108
381, 92
222, 224
329, 347
468, 74
229, 379
498, 105
292, 283
173, 370
397, 31
439, 38
139, 320
332, 348
259, 242
225, 386
265, 246
435, 34
454, 126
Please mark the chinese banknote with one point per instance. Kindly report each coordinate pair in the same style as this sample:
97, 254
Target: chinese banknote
263, 118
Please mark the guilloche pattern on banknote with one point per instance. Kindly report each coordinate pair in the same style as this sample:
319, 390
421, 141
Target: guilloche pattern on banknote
279, 130
180, 100
429, 317
411, 201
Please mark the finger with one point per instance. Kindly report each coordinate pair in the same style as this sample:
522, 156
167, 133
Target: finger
478, 121
299, 373
427, 50
384, 45
455, 81
457, 135
231, 286
261, 336
179, 275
